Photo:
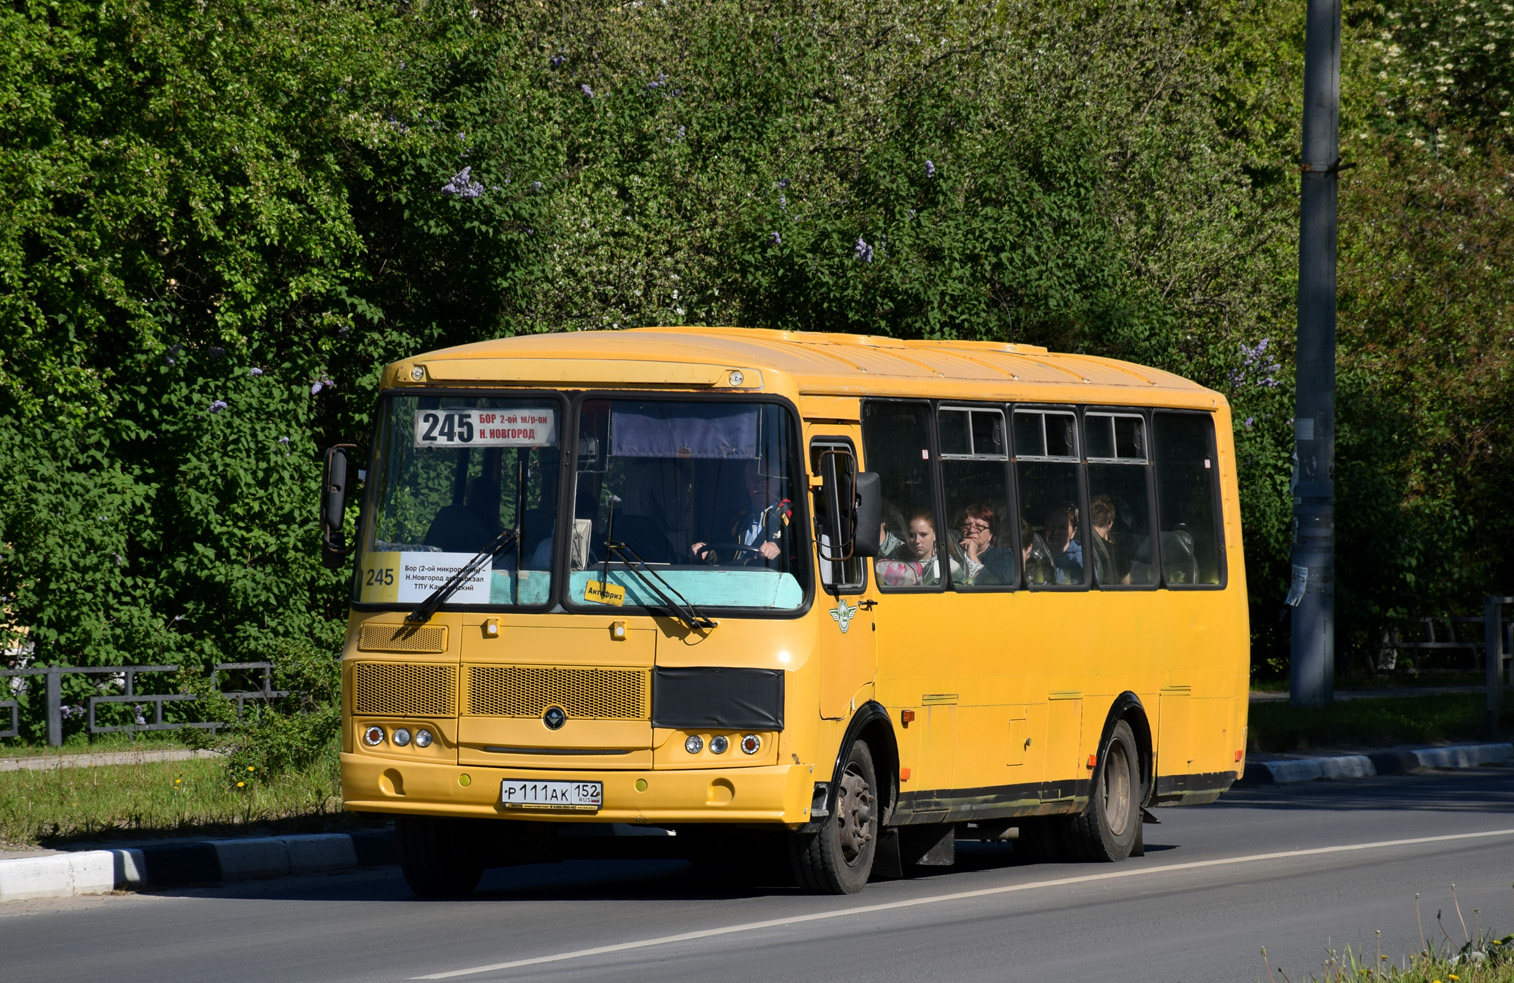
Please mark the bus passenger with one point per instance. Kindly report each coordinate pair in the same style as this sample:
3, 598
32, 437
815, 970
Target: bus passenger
1061, 534
922, 548
1111, 563
1033, 553
891, 546
986, 562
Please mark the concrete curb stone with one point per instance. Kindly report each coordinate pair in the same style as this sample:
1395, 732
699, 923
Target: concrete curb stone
1392, 761
181, 863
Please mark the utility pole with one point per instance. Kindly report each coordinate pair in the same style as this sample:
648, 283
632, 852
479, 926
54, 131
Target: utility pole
1312, 667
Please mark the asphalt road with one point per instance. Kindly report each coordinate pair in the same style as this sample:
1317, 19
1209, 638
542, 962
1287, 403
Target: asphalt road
1298, 869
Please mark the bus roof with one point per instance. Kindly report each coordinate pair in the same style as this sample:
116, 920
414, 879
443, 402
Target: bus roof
819, 364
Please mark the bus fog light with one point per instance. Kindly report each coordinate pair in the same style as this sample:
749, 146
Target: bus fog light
751, 744
401, 737
423, 738
373, 736
694, 744
719, 743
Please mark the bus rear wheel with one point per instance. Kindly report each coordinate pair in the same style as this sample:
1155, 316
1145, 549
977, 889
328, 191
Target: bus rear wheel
439, 857
839, 858
1109, 827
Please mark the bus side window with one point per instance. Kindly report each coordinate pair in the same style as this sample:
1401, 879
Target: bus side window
974, 448
1047, 463
896, 445
1187, 499
1119, 499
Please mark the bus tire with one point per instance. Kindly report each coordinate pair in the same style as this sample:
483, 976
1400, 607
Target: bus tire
839, 858
1109, 827
438, 856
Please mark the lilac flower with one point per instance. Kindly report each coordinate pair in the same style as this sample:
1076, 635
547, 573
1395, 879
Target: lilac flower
322, 383
535, 185
344, 331
462, 185
217, 405
173, 354
558, 59
316, 388
863, 251
284, 440
216, 351
660, 80
1249, 421
681, 132
140, 711
783, 182
584, 88
777, 239
930, 169
254, 371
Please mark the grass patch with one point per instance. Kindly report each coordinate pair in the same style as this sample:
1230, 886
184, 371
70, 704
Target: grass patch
55, 807
96, 744
1278, 728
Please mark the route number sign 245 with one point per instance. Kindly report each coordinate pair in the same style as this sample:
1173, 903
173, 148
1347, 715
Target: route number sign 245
533, 426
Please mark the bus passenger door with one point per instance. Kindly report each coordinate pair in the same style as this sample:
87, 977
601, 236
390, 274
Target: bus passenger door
848, 646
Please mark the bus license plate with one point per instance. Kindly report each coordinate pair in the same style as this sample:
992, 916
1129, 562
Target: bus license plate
571, 796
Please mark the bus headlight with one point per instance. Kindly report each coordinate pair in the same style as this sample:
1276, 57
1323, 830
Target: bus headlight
373, 736
401, 737
719, 743
694, 744
423, 738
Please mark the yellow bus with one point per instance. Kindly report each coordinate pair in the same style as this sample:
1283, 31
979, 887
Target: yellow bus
857, 596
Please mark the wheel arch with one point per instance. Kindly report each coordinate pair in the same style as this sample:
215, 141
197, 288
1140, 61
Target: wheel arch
1129, 708
871, 724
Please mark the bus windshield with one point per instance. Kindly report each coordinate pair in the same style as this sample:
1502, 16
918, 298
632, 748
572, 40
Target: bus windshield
451, 474
674, 504
699, 493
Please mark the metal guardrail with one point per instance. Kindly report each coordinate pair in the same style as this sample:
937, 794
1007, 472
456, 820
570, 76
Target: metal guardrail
53, 698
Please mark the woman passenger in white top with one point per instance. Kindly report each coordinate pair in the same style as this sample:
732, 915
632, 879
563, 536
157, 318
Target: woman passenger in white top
921, 540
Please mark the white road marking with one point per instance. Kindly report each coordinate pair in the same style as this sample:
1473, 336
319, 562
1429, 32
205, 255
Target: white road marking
957, 896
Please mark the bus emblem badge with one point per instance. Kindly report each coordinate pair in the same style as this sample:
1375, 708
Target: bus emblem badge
842, 614
554, 718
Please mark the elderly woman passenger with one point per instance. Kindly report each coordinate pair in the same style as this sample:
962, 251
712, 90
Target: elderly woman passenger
986, 563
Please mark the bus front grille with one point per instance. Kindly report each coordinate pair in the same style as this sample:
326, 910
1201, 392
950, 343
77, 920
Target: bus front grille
583, 694
402, 638
398, 690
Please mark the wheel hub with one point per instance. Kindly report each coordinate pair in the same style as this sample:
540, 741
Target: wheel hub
854, 815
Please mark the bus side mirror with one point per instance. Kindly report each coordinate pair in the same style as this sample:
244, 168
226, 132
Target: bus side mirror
869, 514
334, 549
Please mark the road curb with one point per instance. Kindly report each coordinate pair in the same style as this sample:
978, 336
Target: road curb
1396, 761
181, 863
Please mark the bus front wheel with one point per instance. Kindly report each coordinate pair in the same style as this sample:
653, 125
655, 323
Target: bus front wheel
438, 856
1108, 828
839, 858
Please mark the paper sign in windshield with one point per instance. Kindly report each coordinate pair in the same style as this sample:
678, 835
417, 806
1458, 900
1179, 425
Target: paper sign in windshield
465, 427
409, 578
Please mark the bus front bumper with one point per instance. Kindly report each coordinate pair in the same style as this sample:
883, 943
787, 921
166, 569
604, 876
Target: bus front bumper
762, 794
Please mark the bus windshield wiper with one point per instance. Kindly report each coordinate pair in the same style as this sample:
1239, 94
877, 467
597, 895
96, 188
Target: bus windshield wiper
682, 609
439, 596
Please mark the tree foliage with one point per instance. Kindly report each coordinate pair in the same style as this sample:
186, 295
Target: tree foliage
220, 218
